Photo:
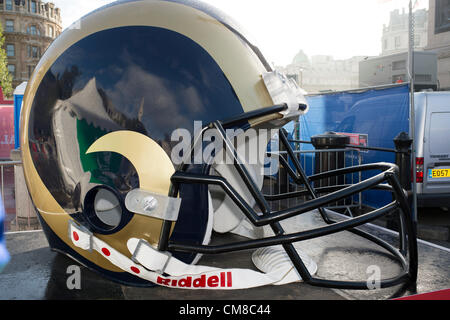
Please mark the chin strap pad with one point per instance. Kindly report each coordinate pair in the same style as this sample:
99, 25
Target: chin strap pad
163, 269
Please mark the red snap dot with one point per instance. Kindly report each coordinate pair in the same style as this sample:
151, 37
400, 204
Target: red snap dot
106, 252
135, 270
75, 236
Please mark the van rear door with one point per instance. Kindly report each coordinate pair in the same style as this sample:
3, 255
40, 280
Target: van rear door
437, 144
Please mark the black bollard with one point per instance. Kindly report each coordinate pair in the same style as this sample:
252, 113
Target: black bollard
403, 145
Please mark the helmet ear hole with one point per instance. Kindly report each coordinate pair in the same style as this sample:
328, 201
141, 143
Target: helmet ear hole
107, 207
104, 210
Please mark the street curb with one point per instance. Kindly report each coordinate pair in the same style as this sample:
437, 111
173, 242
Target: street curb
433, 232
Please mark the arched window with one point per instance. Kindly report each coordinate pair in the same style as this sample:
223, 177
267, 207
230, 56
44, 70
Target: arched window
51, 31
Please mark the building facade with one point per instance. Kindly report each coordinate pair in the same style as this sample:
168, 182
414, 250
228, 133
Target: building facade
394, 68
29, 26
395, 37
439, 39
324, 73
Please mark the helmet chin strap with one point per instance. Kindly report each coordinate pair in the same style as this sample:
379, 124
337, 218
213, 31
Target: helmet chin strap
161, 268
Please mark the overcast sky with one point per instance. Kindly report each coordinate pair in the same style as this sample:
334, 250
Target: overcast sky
281, 28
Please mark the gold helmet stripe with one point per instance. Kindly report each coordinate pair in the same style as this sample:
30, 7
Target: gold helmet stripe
151, 162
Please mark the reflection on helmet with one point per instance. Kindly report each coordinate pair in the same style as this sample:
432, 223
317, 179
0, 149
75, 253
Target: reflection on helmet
136, 73
98, 117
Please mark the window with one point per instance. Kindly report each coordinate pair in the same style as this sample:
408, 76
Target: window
34, 52
416, 40
9, 26
422, 77
9, 5
385, 43
51, 32
398, 42
439, 122
30, 71
10, 50
12, 70
33, 8
32, 30
442, 19
399, 65
399, 78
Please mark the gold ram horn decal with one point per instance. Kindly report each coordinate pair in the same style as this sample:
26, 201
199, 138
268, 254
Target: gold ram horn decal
151, 162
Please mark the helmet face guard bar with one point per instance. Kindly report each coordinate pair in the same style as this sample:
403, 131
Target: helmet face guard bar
386, 180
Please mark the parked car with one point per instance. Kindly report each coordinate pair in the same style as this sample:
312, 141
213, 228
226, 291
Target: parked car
433, 149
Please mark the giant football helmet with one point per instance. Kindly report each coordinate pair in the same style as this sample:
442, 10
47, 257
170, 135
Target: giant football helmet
103, 118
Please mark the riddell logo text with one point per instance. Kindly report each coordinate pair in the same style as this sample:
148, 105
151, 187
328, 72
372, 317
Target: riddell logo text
223, 280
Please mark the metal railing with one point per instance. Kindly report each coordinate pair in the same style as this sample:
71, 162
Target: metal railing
280, 182
7, 176
19, 216
273, 184
3, 164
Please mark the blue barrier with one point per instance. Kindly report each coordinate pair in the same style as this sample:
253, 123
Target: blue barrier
377, 114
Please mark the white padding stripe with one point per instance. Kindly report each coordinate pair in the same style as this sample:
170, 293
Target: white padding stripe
179, 274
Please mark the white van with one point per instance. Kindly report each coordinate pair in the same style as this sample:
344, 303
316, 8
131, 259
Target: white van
433, 148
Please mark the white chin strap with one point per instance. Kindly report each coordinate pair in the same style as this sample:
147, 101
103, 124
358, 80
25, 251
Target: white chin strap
163, 269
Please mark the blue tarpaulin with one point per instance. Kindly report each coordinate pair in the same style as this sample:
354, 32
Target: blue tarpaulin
377, 114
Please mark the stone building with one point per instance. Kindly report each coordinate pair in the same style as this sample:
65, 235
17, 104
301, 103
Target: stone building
439, 39
394, 68
395, 37
323, 73
29, 26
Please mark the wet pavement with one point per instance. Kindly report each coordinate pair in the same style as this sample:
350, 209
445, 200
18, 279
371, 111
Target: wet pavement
35, 272
434, 225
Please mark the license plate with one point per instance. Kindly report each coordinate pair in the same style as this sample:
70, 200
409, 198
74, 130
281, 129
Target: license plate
439, 173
